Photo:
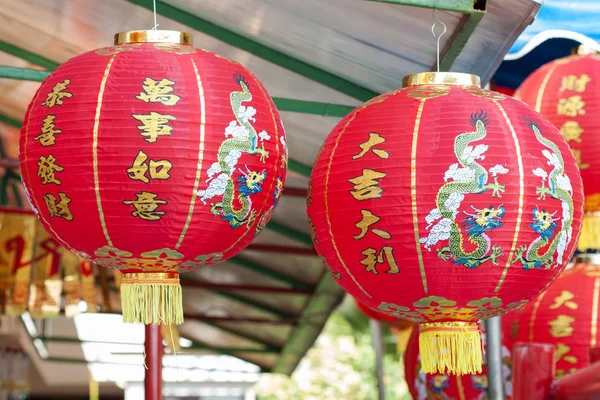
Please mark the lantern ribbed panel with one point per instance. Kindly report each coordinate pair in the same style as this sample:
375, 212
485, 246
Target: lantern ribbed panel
565, 92
444, 205
374, 207
566, 315
424, 386
154, 159
169, 157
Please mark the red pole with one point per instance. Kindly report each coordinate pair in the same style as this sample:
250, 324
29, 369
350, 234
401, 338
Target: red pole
594, 354
583, 384
154, 352
533, 371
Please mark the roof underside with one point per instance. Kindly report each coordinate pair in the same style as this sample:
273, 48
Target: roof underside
272, 300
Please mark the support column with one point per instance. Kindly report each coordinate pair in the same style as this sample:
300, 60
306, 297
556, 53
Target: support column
377, 334
154, 352
493, 334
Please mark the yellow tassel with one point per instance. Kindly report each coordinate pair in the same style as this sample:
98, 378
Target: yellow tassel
590, 232
450, 347
151, 298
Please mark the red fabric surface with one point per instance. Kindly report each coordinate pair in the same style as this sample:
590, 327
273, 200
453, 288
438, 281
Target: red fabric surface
566, 92
566, 315
136, 221
381, 317
411, 280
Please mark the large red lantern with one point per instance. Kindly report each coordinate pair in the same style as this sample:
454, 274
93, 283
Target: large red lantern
566, 315
567, 92
424, 386
444, 203
154, 158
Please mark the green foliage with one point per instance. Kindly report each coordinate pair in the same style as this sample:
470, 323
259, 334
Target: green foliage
341, 365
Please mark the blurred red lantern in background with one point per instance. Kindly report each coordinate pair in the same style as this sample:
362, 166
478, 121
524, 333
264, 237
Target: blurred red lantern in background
424, 386
566, 315
443, 203
154, 158
567, 92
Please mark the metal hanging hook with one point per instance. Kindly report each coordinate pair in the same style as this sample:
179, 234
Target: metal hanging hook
435, 24
155, 24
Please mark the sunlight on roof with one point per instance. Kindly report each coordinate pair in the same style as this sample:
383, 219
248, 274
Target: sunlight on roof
118, 355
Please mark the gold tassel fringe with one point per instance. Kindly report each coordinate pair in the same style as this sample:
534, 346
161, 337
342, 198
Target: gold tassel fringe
450, 347
151, 298
590, 232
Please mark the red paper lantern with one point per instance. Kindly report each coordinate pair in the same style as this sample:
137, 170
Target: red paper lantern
567, 92
381, 317
402, 328
565, 315
444, 203
424, 386
154, 158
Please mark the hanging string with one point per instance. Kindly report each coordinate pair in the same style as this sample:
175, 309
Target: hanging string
435, 24
155, 24
174, 349
144, 351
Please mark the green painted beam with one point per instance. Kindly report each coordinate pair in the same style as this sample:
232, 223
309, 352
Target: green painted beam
28, 56
290, 232
10, 121
461, 6
299, 168
252, 266
254, 304
23, 74
195, 345
312, 107
326, 298
260, 50
459, 40
243, 335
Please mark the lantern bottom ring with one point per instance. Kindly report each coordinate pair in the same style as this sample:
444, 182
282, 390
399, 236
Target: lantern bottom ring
151, 298
450, 347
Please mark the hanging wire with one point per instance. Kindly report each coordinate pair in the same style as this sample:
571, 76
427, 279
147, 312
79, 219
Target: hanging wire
155, 24
435, 24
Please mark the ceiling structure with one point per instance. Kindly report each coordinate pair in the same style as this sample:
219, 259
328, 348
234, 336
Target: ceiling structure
318, 59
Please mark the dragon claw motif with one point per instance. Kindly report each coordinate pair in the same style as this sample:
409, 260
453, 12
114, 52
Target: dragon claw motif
444, 253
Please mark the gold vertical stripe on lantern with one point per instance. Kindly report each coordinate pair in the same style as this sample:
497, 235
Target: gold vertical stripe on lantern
595, 300
521, 192
16, 244
329, 227
413, 190
200, 154
95, 149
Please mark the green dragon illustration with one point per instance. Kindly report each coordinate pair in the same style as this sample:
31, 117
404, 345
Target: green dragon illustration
237, 210
467, 177
544, 223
